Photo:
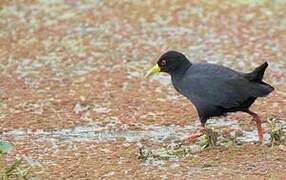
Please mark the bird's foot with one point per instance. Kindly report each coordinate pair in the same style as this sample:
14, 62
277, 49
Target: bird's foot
192, 137
210, 139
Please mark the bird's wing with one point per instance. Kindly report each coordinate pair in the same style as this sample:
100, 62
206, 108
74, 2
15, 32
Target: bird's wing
226, 93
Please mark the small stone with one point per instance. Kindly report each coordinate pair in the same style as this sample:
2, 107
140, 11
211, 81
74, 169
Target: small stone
282, 147
108, 174
77, 108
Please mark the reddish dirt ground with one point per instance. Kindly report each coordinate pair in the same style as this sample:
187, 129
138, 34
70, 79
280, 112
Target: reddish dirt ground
68, 63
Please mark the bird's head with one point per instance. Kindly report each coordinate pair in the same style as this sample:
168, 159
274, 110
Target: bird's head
170, 62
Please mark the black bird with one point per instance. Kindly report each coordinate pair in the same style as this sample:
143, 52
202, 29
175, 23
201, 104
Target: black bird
213, 89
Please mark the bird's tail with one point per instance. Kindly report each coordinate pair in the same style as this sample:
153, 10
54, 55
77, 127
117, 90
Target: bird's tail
257, 74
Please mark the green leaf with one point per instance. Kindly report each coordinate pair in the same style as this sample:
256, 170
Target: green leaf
9, 171
5, 147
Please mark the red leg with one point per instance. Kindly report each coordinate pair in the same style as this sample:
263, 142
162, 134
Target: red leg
256, 118
195, 135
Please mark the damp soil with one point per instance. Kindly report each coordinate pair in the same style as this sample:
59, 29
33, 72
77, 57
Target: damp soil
74, 102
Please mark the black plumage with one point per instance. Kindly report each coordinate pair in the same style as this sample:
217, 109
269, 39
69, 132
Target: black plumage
213, 89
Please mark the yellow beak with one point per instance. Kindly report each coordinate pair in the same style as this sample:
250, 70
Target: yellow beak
155, 69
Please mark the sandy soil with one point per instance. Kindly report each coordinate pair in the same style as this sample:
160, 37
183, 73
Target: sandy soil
67, 64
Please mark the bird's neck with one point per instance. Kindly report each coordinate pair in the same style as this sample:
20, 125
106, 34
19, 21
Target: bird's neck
181, 70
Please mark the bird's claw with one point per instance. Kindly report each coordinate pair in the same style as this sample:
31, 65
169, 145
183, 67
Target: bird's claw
191, 138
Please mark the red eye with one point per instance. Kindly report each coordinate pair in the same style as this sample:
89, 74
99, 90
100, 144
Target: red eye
163, 62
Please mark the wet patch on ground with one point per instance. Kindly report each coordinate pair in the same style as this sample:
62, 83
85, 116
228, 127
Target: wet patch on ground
158, 134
